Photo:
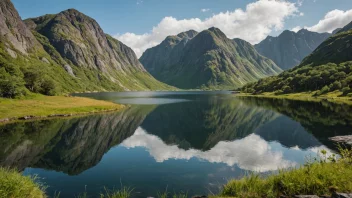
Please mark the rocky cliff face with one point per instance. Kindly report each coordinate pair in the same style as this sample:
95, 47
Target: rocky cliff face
70, 50
290, 48
206, 60
80, 39
13, 32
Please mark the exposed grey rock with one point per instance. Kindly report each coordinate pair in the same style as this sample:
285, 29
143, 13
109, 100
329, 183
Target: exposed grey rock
45, 60
342, 195
347, 139
14, 31
81, 40
306, 196
11, 53
290, 48
69, 70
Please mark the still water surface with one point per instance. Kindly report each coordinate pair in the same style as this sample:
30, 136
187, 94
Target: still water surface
183, 141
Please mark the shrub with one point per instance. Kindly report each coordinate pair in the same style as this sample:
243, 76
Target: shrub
10, 86
13, 184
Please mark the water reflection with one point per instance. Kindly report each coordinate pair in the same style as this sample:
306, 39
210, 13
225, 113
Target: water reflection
191, 146
250, 153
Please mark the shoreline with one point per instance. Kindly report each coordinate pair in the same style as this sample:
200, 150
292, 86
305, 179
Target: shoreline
48, 107
304, 96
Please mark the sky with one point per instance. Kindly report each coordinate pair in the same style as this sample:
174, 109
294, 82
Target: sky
142, 24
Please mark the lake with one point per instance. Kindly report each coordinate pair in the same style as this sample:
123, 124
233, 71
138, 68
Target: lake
190, 142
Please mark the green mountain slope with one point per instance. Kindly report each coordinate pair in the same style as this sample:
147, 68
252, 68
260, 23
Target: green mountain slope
62, 53
328, 68
290, 48
206, 60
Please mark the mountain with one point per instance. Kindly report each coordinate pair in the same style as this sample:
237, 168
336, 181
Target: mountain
65, 52
328, 68
290, 48
346, 28
206, 60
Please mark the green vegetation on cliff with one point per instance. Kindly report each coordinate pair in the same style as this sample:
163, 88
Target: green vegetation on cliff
207, 60
327, 69
63, 53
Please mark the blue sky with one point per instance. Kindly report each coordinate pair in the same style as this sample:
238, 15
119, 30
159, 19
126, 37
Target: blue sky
138, 17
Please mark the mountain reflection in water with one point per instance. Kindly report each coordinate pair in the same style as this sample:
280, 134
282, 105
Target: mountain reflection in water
193, 142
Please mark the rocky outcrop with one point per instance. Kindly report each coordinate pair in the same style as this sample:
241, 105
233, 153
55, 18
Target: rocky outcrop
347, 139
13, 32
290, 48
206, 60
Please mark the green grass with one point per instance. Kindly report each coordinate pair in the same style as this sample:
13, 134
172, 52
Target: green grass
124, 192
318, 177
14, 185
335, 97
39, 105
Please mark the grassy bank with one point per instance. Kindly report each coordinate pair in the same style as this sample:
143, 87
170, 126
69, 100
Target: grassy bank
44, 106
13, 184
317, 177
304, 96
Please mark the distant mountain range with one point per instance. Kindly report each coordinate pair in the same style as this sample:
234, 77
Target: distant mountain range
206, 60
290, 48
69, 51
328, 68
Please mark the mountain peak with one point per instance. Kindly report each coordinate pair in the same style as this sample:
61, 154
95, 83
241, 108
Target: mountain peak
188, 34
346, 28
296, 46
217, 32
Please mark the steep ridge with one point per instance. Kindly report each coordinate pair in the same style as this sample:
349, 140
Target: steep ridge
81, 42
290, 48
206, 60
328, 68
13, 32
67, 52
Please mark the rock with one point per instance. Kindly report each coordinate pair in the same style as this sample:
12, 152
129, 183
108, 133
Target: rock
26, 117
347, 139
45, 60
69, 70
203, 196
11, 53
306, 196
341, 195
4, 120
14, 31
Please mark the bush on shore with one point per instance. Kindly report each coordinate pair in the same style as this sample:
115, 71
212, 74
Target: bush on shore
15, 185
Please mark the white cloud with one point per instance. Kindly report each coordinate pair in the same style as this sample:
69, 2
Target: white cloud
332, 20
252, 24
251, 153
205, 10
296, 29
